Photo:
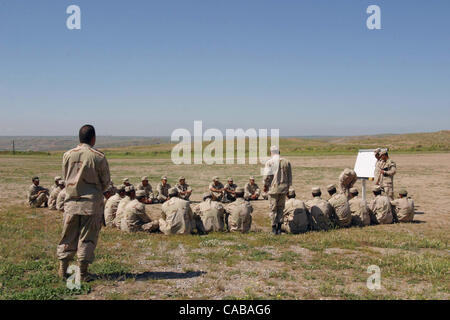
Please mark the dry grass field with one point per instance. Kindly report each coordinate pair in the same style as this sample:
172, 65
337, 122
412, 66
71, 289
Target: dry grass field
414, 258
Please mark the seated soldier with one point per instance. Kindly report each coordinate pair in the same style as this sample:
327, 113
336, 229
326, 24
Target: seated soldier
134, 218
380, 208
112, 188
342, 216
177, 216
112, 204
212, 213
61, 199
295, 216
217, 189
147, 188
126, 182
359, 209
239, 213
130, 194
230, 190
320, 211
56, 185
184, 190
37, 195
403, 207
163, 190
54, 195
251, 190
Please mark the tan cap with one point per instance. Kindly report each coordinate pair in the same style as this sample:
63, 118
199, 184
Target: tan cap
121, 188
57, 178
144, 178
125, 180
331, 187
353, 191
315, 189
215, 178
252, 178
376, 189
181, 178
382, 152
35, 178
230, 179
403, 192
377, 150
163, 178
291, 191
140, 193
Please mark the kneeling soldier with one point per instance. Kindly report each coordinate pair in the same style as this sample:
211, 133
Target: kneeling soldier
135, 219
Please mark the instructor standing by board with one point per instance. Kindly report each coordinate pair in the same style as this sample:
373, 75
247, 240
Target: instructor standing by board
385, 174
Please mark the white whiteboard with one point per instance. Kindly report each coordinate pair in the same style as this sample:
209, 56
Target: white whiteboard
365, 163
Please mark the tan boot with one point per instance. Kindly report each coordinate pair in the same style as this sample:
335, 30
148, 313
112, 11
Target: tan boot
62, 271
84, 274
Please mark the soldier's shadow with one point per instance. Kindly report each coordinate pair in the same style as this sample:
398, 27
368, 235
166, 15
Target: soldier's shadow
154, 275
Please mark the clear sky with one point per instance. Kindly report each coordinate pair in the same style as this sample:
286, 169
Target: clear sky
149, 67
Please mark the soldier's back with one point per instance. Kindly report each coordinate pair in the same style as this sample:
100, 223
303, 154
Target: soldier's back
359, 211
382, 210
342, 209
295, 218
404, 209
240, 218
320, 212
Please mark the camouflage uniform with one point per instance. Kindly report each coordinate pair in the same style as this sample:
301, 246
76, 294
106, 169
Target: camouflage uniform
342, 215
121, 211
183, 188
360, 212
217, 195
135, 219
320, 212
163, 191
239, 215
35, 200
295, 217
230, 197
388, 169
53, 197
277, 179
176, 217
403, 208
381, 210
347, 179
250, 190
212, 215
147, 189
111, 207
86, 173
60, 200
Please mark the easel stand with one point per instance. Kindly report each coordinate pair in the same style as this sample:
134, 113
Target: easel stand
363, 181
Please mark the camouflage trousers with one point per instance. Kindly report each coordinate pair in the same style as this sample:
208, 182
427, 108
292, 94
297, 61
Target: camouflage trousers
79, 236
389, 191
39, 201
276, 205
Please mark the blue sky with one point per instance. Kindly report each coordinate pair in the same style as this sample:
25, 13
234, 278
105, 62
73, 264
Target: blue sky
149, 67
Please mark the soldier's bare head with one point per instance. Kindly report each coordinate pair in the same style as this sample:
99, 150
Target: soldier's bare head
87, 134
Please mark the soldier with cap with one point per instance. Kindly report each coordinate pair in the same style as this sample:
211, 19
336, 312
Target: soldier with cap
239, 213
277, 180
126, 182
184, 190
87, 176
163, 190
403, 207
212, 213
380, 208
147, 188
342, 216
60, 199
54, 195
385, 178
112, 205
230, 190
217, 189
177, 216
359, 209
320, 211
135, 219
295, 216
37, 195
56, 185
130, 194
251, 190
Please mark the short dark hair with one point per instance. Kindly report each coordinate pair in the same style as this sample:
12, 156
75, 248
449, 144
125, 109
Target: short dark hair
332, 191
291, 195
239, 194
87, 132
377, 193
317, 194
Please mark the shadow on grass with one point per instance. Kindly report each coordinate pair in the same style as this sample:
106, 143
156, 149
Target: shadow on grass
119, 276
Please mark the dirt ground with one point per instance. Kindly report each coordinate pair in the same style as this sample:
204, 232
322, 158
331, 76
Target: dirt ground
413, 258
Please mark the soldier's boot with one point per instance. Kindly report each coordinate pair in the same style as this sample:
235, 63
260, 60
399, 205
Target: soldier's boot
279, 228
274, 229
85, 276
62, 271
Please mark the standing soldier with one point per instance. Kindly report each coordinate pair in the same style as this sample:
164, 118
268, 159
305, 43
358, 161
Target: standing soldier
251, 190
403, 207
163, 190
37, 195
239, 213
277, 180
86, 173
295, 217
184, 190
217, 189
147, 188
377, 155
230, 190
388, 168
